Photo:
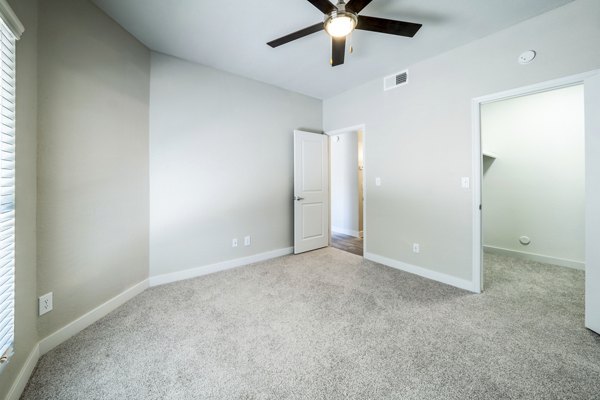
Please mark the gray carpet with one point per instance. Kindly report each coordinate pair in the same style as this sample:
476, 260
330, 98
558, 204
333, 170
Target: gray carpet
328, 325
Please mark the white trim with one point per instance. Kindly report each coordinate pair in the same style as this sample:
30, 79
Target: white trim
476, 152
592, 197
340, 131
562, 262
76, 326
424, 272
477, 178
537, 87
11, 20
221, 266
23, 377
363, 129
344, 231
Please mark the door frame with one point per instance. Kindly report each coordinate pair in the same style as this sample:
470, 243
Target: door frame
335, 132
477, 151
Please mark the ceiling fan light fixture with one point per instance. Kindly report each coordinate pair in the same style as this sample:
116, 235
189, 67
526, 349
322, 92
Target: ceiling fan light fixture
340, 20
340, 23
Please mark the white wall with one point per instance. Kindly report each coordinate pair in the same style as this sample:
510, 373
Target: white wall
344, 184
419, 135
93, 99
536, 186
220, 164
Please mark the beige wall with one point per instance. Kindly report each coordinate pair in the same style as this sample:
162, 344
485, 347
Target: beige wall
419, 135
93, 159
220, 164
536, 185
25, 255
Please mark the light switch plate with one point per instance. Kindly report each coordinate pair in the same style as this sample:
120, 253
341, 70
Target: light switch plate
465, 182
378, 181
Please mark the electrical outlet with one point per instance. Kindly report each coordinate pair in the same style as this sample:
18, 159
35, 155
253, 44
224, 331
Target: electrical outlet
247, 241
234, 242
45, 303
416, 248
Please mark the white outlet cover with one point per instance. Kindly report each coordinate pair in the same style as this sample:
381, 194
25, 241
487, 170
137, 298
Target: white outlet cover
378, 181
247, 241
234, 243
416, 248
45, 303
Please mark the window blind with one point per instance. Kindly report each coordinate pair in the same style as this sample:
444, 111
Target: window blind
7, 190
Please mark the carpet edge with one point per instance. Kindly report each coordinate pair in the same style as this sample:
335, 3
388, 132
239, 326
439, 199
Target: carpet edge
195, 272
423, 272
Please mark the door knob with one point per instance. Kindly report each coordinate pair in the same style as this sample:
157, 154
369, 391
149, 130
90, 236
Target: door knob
298, 198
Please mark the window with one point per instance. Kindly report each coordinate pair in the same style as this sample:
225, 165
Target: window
7, 179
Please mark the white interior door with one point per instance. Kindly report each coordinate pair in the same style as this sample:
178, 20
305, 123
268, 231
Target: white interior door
311, 191
592, 201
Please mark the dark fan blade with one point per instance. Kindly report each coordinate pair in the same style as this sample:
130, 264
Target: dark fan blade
357, 5
324, 5
296, 35
338, 48
390, 26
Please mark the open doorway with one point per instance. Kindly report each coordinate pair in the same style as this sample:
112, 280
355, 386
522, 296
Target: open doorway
533, 184
591, 100
533, 187
347, 192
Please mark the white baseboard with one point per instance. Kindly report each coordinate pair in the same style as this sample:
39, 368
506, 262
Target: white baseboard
562, 262
221, 266
426, 273
64, 333
21, 381
345, 231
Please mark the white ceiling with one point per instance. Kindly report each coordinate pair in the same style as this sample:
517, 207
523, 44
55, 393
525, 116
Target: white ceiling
232, 35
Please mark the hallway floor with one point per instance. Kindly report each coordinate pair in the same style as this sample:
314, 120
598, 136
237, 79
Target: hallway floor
347, 243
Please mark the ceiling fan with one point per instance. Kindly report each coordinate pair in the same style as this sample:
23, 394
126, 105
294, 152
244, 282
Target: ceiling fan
341, 19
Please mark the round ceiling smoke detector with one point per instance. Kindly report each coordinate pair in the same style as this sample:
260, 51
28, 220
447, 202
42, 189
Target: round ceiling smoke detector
526, 57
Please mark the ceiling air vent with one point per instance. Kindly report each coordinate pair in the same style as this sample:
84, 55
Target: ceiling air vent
393, 81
